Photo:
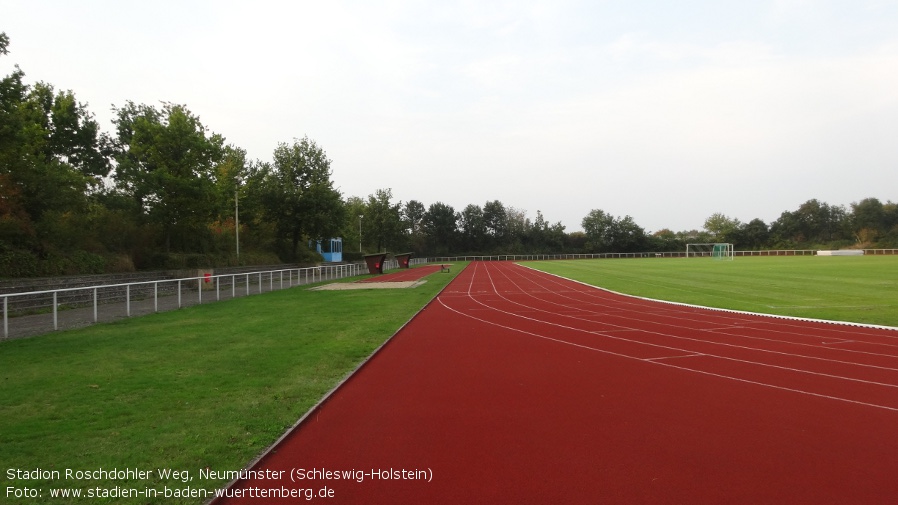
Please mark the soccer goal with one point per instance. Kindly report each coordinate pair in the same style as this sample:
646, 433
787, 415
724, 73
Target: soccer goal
717, 251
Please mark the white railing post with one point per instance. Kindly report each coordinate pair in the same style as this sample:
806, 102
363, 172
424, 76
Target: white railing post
95, 305
179, 293
156, 296
55, 318
5, 317
128, 300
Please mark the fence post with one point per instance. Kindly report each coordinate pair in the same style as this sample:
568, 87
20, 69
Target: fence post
156, 296
55, 319
128, 300
5, 317
179, 293
95, 305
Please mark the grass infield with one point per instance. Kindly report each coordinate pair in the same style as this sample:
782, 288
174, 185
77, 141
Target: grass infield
861, 289
207, 387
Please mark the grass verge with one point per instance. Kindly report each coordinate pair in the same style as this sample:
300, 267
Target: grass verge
857, 289
206, 387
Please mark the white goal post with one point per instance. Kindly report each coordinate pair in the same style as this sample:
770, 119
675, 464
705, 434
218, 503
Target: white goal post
717, 251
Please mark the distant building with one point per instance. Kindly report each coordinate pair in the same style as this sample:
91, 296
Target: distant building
331, 249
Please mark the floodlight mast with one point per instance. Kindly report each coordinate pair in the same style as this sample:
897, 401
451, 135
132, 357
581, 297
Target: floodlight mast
237, 222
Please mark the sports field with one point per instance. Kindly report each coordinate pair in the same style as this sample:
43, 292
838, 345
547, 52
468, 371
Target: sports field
861, 289
511, 386
516, 386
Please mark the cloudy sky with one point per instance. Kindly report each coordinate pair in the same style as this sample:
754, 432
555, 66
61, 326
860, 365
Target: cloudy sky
664, 111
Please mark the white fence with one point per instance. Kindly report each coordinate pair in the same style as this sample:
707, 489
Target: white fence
678, 254
41, 311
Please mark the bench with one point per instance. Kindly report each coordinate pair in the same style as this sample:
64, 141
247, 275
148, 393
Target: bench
444, 268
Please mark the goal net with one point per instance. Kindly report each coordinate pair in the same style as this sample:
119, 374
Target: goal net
717, 251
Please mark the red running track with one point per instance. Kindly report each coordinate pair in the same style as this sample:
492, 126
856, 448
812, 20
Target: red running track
515, 386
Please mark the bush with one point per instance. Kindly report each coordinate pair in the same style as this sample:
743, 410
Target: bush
119, 263
16, 263
353, 256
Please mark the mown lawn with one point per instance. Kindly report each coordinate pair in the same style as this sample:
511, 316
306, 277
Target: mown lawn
861, 289
210, 386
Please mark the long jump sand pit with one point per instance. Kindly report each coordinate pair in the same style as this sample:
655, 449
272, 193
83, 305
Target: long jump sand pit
408, 278
369, 285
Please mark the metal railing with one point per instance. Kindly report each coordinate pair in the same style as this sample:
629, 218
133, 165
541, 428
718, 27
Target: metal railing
82, 305
676, 254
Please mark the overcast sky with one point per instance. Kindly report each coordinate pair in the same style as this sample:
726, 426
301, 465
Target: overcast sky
664, 111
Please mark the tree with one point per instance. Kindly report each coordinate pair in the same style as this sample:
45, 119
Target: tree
556, 240
814, 222
297, 194
515, 229
165, 162
383, 221
472, 227
752, 235
721, 227
665, 240
627, 236
229, 176
354, 207
441, 226
413, 221
869, 220
495, 222
820, 222
605, 233
598, 226
51, 155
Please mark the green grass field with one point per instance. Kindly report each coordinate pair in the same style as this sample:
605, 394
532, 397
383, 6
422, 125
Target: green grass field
206, 387
858, 289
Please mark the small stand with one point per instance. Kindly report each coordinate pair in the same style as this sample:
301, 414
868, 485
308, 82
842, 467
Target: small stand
375, 262
404, 259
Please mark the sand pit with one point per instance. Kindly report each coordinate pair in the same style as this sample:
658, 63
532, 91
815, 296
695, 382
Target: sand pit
370, 285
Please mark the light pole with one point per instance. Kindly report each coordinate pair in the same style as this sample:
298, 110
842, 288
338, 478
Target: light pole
360, 232
237, 224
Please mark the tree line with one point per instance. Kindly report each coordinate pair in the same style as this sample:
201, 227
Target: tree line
162, 191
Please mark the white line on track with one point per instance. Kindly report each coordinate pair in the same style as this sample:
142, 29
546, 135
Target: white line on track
657, 360
678, 337
675, 312
718, 330
675, 357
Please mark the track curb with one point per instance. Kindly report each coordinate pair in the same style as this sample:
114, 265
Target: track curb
271, 448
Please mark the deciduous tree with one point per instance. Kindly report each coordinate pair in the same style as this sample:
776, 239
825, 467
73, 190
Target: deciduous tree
297, 194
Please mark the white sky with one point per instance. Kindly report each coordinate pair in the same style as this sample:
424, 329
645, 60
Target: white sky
664, 111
